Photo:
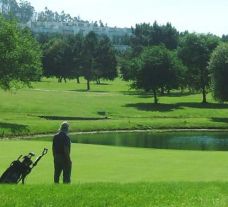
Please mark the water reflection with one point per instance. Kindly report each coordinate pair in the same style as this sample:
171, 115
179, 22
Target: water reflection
172, 140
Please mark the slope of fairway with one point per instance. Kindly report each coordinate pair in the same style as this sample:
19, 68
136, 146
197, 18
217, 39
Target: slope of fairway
40, 109
93, 163
120, 176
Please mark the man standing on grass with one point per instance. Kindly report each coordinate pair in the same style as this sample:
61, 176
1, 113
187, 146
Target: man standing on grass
61, 153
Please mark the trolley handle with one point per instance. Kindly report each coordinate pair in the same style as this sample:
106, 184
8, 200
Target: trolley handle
44, 151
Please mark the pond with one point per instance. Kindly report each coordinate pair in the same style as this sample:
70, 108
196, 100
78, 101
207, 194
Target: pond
215, 141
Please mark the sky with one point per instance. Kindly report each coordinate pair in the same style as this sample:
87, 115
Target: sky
201, 16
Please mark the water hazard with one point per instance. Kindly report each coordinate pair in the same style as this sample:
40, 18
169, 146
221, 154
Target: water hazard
214, 141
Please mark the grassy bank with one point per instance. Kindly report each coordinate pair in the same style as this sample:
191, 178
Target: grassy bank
120, 176
41, 109
118, 195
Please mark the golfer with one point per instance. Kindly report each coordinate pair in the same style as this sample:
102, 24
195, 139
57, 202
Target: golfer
61, 153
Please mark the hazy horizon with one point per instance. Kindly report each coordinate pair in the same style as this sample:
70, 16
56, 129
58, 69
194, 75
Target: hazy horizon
195, 16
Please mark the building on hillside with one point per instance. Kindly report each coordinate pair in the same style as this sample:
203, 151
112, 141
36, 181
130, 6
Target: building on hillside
75, 27
48, 22
117, 35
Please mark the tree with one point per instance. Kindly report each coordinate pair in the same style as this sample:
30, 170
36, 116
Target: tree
170, 36
174, 77
140, 37
219, 68
57, 59
129, 67
101, 24
22, 11
76, 43
224, 38
25, 11
195, 51
149, 35
20, 59
9, 8
89, 55
105, 60
157, 67
63, 16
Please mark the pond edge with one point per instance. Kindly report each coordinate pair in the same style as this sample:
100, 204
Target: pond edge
115, 131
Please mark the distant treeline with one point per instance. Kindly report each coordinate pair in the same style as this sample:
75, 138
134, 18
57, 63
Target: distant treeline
159, 59
70, 57
24, 12
162, 59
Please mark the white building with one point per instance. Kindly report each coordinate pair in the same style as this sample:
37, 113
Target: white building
76, 27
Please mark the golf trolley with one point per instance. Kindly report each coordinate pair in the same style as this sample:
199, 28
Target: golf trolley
20, 168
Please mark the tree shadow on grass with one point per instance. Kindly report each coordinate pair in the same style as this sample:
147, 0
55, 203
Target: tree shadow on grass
154, 107
14, 128
143, 94
103, 84
203, 105
162, 107
85, 90
136, 93
219, 119
70, 118
179, 94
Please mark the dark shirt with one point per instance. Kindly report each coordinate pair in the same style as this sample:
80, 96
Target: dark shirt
59, 141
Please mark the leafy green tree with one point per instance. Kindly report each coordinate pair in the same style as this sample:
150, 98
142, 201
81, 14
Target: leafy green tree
9, 8
20, 59
25, 11
129, 67
174, 77
105, 60
149, 35
170, 36
57, 59
219, 68
157, 68
141, 38
76, 44
72, 56
195, 51
89, 56
224, 38
22, 11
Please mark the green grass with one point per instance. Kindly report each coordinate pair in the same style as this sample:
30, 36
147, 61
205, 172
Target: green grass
118, 195
93, 163
22, 112
112, 176
120, 176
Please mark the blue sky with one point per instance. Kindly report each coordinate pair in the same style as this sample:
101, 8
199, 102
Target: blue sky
202, 16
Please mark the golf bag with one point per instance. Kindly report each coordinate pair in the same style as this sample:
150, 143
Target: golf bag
20, 168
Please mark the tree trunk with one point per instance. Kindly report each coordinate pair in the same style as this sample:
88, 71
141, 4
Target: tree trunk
162, 91
88, 85
98, 81
204, 95
203, 84
78, 80
155, 96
